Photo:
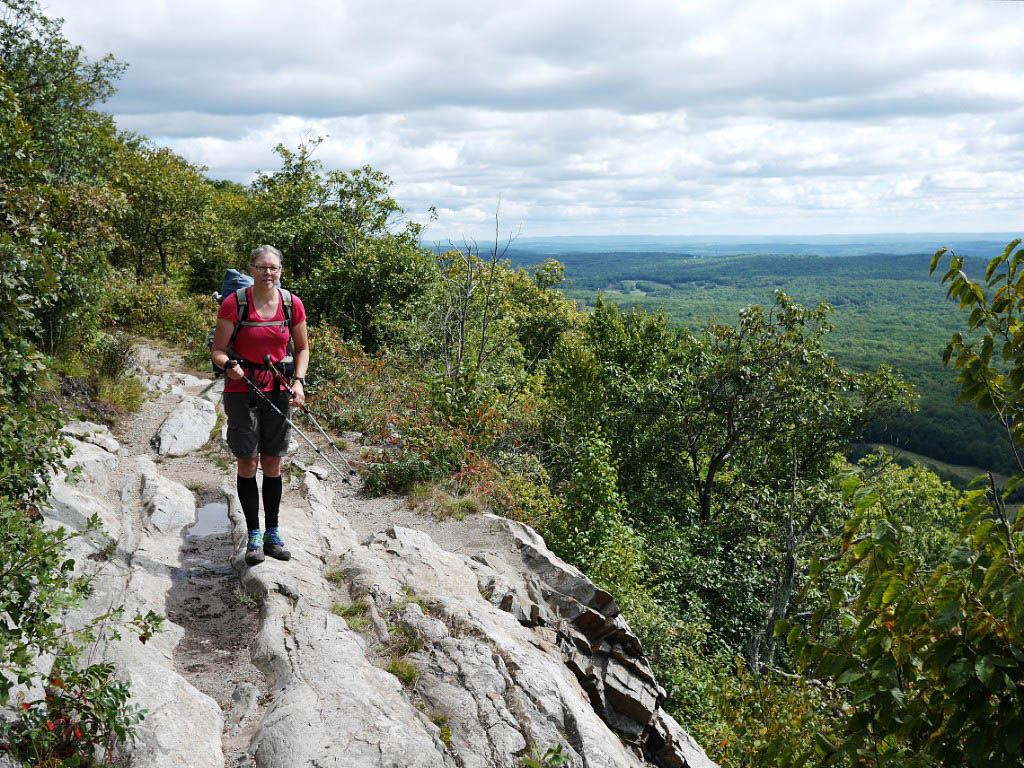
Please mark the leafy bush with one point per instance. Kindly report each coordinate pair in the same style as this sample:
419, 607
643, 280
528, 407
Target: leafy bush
84, 709
770, 718
519, 498
428, 453
43, 305
159, 308
84, 705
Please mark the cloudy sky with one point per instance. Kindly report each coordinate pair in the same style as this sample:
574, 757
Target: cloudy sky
647, 117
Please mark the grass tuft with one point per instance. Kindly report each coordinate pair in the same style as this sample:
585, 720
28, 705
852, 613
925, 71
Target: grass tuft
249, 601
354, 614
433, 499
404, 670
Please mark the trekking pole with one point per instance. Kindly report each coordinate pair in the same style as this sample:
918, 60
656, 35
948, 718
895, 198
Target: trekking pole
289, 422
280, 377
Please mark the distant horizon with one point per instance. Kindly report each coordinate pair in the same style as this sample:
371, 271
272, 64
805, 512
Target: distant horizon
768, 236
984, 244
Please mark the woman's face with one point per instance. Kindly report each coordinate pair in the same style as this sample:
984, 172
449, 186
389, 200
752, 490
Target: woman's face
266, 270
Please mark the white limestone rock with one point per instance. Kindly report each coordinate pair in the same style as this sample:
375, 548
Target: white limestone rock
168, 506
183, 726
213, 391
93, 464
187, 428
97, 434
244, 701
175, 383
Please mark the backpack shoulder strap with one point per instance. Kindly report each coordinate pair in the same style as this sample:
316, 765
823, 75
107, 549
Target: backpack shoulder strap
286, 302
242, 302
242, 299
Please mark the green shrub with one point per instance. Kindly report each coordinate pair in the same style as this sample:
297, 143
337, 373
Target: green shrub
84, 708
114, 355
425, 453
158, 307
84, 705
519, 498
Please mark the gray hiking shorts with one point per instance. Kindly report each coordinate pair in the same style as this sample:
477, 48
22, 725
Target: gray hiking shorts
253, 427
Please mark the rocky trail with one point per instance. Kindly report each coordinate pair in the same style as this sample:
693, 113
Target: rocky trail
392, 638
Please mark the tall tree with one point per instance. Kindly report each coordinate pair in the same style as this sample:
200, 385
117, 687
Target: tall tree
351, 257
57, 88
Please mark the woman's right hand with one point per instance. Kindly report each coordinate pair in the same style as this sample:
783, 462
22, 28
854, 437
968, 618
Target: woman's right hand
233, 370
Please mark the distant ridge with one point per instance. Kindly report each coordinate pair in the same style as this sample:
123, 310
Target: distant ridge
976, 244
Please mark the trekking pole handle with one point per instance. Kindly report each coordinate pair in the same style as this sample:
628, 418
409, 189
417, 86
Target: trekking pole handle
267, 361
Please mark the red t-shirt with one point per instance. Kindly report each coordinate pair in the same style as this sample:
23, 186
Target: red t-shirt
253, 343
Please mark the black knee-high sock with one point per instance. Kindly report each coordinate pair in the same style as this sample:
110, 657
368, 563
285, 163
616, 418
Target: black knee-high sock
249, 496
271, 499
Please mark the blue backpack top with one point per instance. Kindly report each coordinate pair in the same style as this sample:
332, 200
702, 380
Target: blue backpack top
233, 280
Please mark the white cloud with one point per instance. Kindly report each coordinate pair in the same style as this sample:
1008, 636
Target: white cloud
599, 117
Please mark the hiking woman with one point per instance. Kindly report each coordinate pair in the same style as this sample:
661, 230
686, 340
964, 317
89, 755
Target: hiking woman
257, 436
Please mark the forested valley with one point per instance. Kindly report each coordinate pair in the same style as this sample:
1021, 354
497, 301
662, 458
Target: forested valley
798, 608
888, 310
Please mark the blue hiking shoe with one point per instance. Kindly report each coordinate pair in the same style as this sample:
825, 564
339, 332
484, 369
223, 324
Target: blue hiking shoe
274, 545
254, 549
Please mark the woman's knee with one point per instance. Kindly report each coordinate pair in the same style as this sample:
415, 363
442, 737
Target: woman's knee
248, 467
271, 465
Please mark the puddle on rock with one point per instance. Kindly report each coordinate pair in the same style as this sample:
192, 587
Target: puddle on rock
211, 519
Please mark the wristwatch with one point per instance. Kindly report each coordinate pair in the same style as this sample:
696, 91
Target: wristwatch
300, 379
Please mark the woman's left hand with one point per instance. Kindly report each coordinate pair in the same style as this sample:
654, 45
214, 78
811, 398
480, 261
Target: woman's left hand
298, 394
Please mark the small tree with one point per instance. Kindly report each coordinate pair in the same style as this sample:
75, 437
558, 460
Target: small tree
57, 88
167, 202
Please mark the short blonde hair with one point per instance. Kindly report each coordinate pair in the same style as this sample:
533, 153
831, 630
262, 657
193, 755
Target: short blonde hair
263, 250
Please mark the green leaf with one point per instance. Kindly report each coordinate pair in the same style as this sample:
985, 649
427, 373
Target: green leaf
866, 501
958, 673
985, 669
863, 695
949, 615
987, 346
894, 590
1009, 248
994, 264
935, 259
848, 676
1012, 485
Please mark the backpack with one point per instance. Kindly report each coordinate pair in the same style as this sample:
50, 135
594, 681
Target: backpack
234, 278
